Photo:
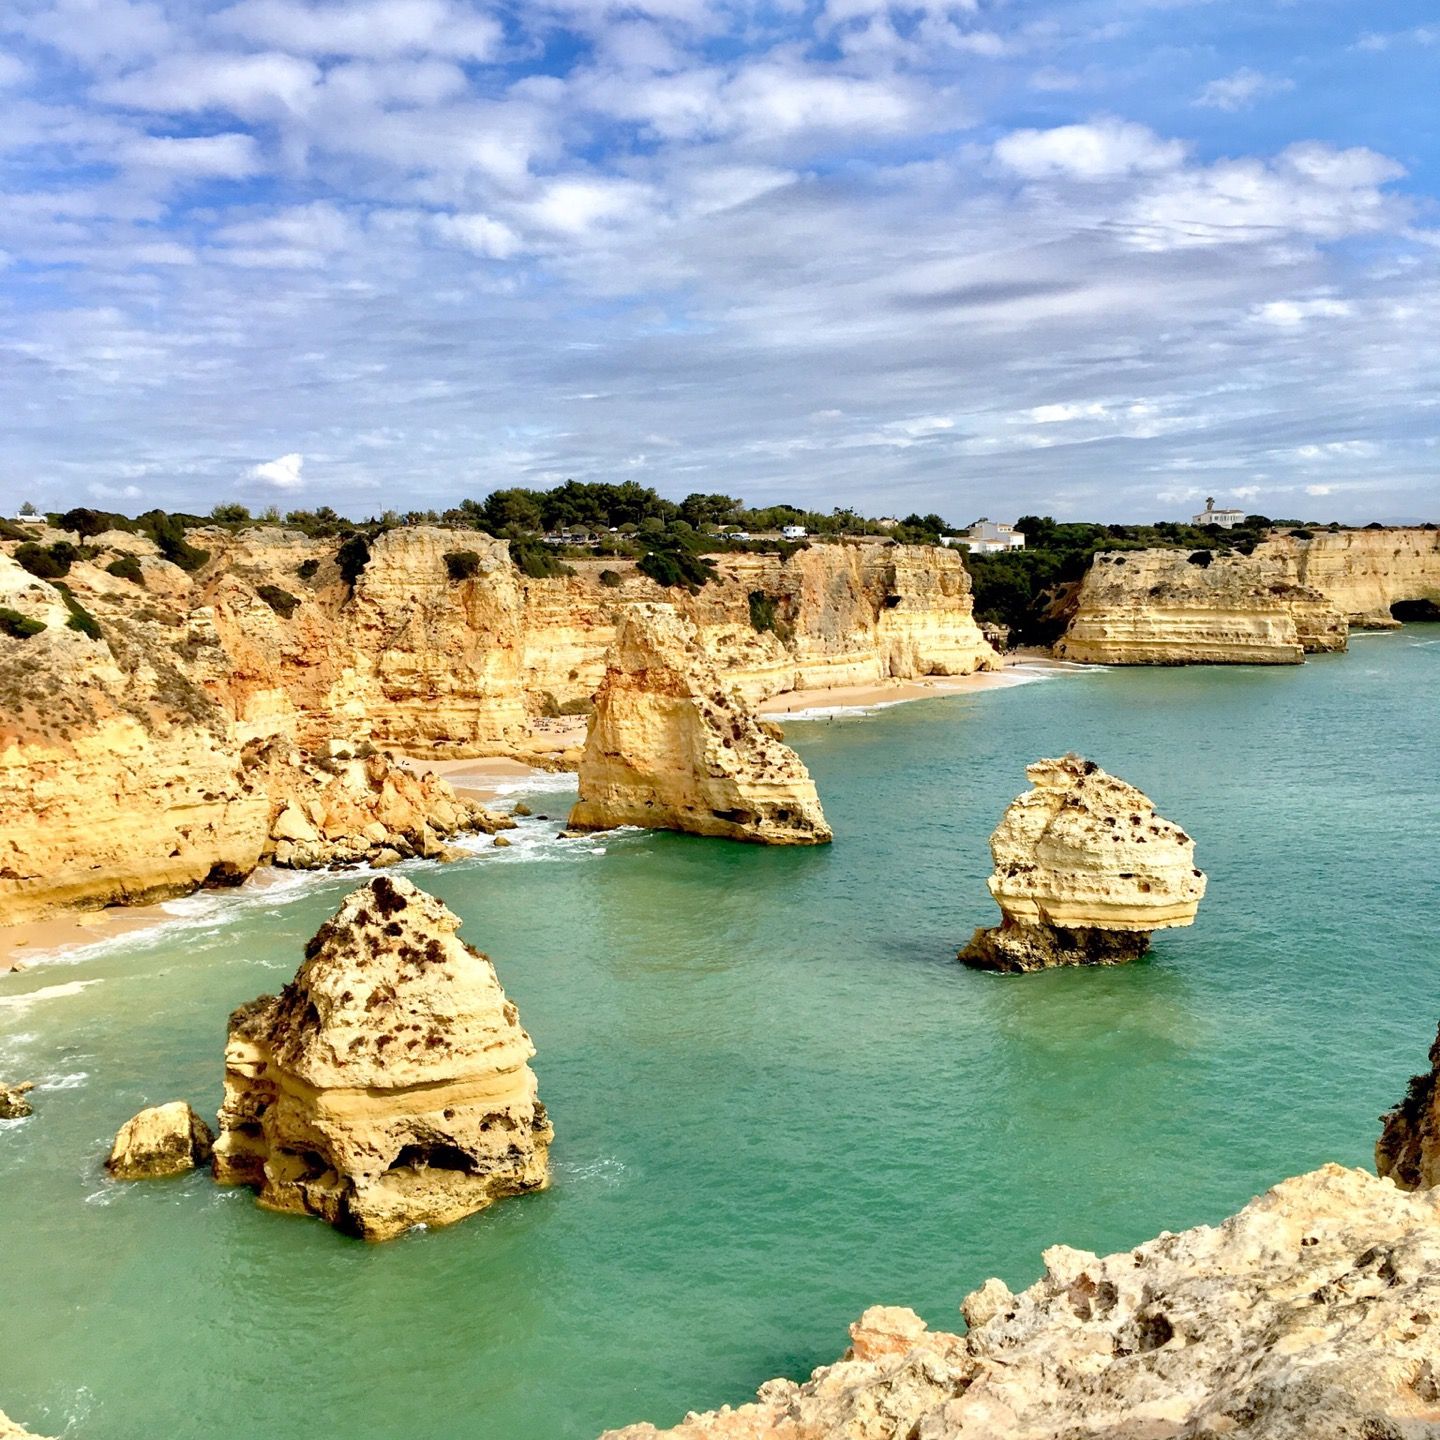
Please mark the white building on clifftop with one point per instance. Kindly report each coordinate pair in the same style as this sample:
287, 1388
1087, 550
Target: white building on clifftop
986, 537
1211, 516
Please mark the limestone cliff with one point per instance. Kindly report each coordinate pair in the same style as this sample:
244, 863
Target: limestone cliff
138, 751
670, 746
1309, 1315
388, 1084
1366, 574
161, 1140
10, 1430
1085, 870
1408, 1150
1173, 607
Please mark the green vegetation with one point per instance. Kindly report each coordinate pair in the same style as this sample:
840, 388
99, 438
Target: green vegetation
80, 618
462, 564
535, 559
611, 579
168, 533
126, 567
764, 615
47, 562
307, 568
18, 626
230, 513
674, 559
282, 602
11, 531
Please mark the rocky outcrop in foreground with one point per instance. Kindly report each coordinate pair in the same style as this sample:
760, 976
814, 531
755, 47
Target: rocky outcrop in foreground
387, 1085
161, 1141
1085, 870
1313, 1314
1408, 1150
672, 747
9, 1430
1173, 607
15, 1102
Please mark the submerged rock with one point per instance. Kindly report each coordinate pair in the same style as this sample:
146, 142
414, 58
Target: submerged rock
388, 1084
163, 1140
1408, 1151
1085, 870
671, 746
14, 1104
1313, 1314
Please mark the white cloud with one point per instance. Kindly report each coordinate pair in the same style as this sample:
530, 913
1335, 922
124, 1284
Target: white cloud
1319, 489
231, 157
372, 28
1103, 150
1059, 414
1241, 89
1289, 314
103, 31
260, 86
479, 234
13, 71
283, 474
573, 206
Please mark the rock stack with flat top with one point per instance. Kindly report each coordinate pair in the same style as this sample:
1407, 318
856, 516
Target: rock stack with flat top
673, 747
1085, 871
388, 1084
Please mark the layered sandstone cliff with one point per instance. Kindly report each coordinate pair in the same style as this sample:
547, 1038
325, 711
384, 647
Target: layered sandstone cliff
1173, 607
1309, 1315
672, 747
160, 1141
1366, 574
1408, 1150
1085, 871
388, 1084
10, 1430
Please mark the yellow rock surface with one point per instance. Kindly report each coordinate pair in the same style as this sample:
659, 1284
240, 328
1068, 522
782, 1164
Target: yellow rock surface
670, 746
162, 1140
1084, 871
388, 1085
1408, 1151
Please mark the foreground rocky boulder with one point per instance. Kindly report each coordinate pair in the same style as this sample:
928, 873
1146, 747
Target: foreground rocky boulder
1408, 1150
1085, 870
163, 1140
387, 1085
1313, 1314
1173, 607
670, 746
14, 1101
9, 1430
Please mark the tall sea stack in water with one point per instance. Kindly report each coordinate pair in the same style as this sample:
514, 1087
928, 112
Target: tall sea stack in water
1085, 870
671, 746
387, 1085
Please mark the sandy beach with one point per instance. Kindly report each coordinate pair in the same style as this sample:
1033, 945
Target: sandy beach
481, 779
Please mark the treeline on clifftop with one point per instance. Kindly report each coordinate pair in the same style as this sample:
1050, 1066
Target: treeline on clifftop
1022, 588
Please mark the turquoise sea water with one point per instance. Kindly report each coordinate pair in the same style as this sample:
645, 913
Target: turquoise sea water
777, 1098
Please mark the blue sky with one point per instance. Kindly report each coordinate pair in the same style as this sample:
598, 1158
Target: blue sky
1098, 259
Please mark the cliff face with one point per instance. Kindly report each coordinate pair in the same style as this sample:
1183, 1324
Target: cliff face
1365, 572
1408, 1150
1308, 1314
1085, 870
671, 747
388, 1084
1160, 607
138, 765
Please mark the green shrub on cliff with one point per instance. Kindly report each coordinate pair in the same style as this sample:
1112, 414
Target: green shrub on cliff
462, 564
611, 579
126, 567
47, 562
80, 618
674, 560
282, 602
538, 561
352, 557
18, 626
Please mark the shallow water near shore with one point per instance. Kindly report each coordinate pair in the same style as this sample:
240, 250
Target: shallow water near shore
777, 1097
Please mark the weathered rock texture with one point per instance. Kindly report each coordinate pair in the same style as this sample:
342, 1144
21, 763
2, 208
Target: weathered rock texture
141, 764
15, 1101
1408, 1150
1085, 870
672, 747
1313, 1314
1365, 573
1163, 607
163, 1140
388, 1084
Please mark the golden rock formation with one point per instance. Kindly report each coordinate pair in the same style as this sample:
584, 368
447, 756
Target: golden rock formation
672, 747
1308, 1314
1364, 573
1172, 607
159, 1141
1408, 1151
15, 1100
10, 1430
1085, 870
388, 1084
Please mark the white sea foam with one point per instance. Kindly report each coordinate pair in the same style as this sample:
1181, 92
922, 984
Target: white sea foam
607, 1170
540, 782
47, 992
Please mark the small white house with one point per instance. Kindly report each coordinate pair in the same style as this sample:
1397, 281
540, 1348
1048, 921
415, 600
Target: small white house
1211, 516
793, 532
988, 537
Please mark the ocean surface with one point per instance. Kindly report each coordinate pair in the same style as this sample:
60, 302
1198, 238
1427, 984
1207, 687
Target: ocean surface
777, 1098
